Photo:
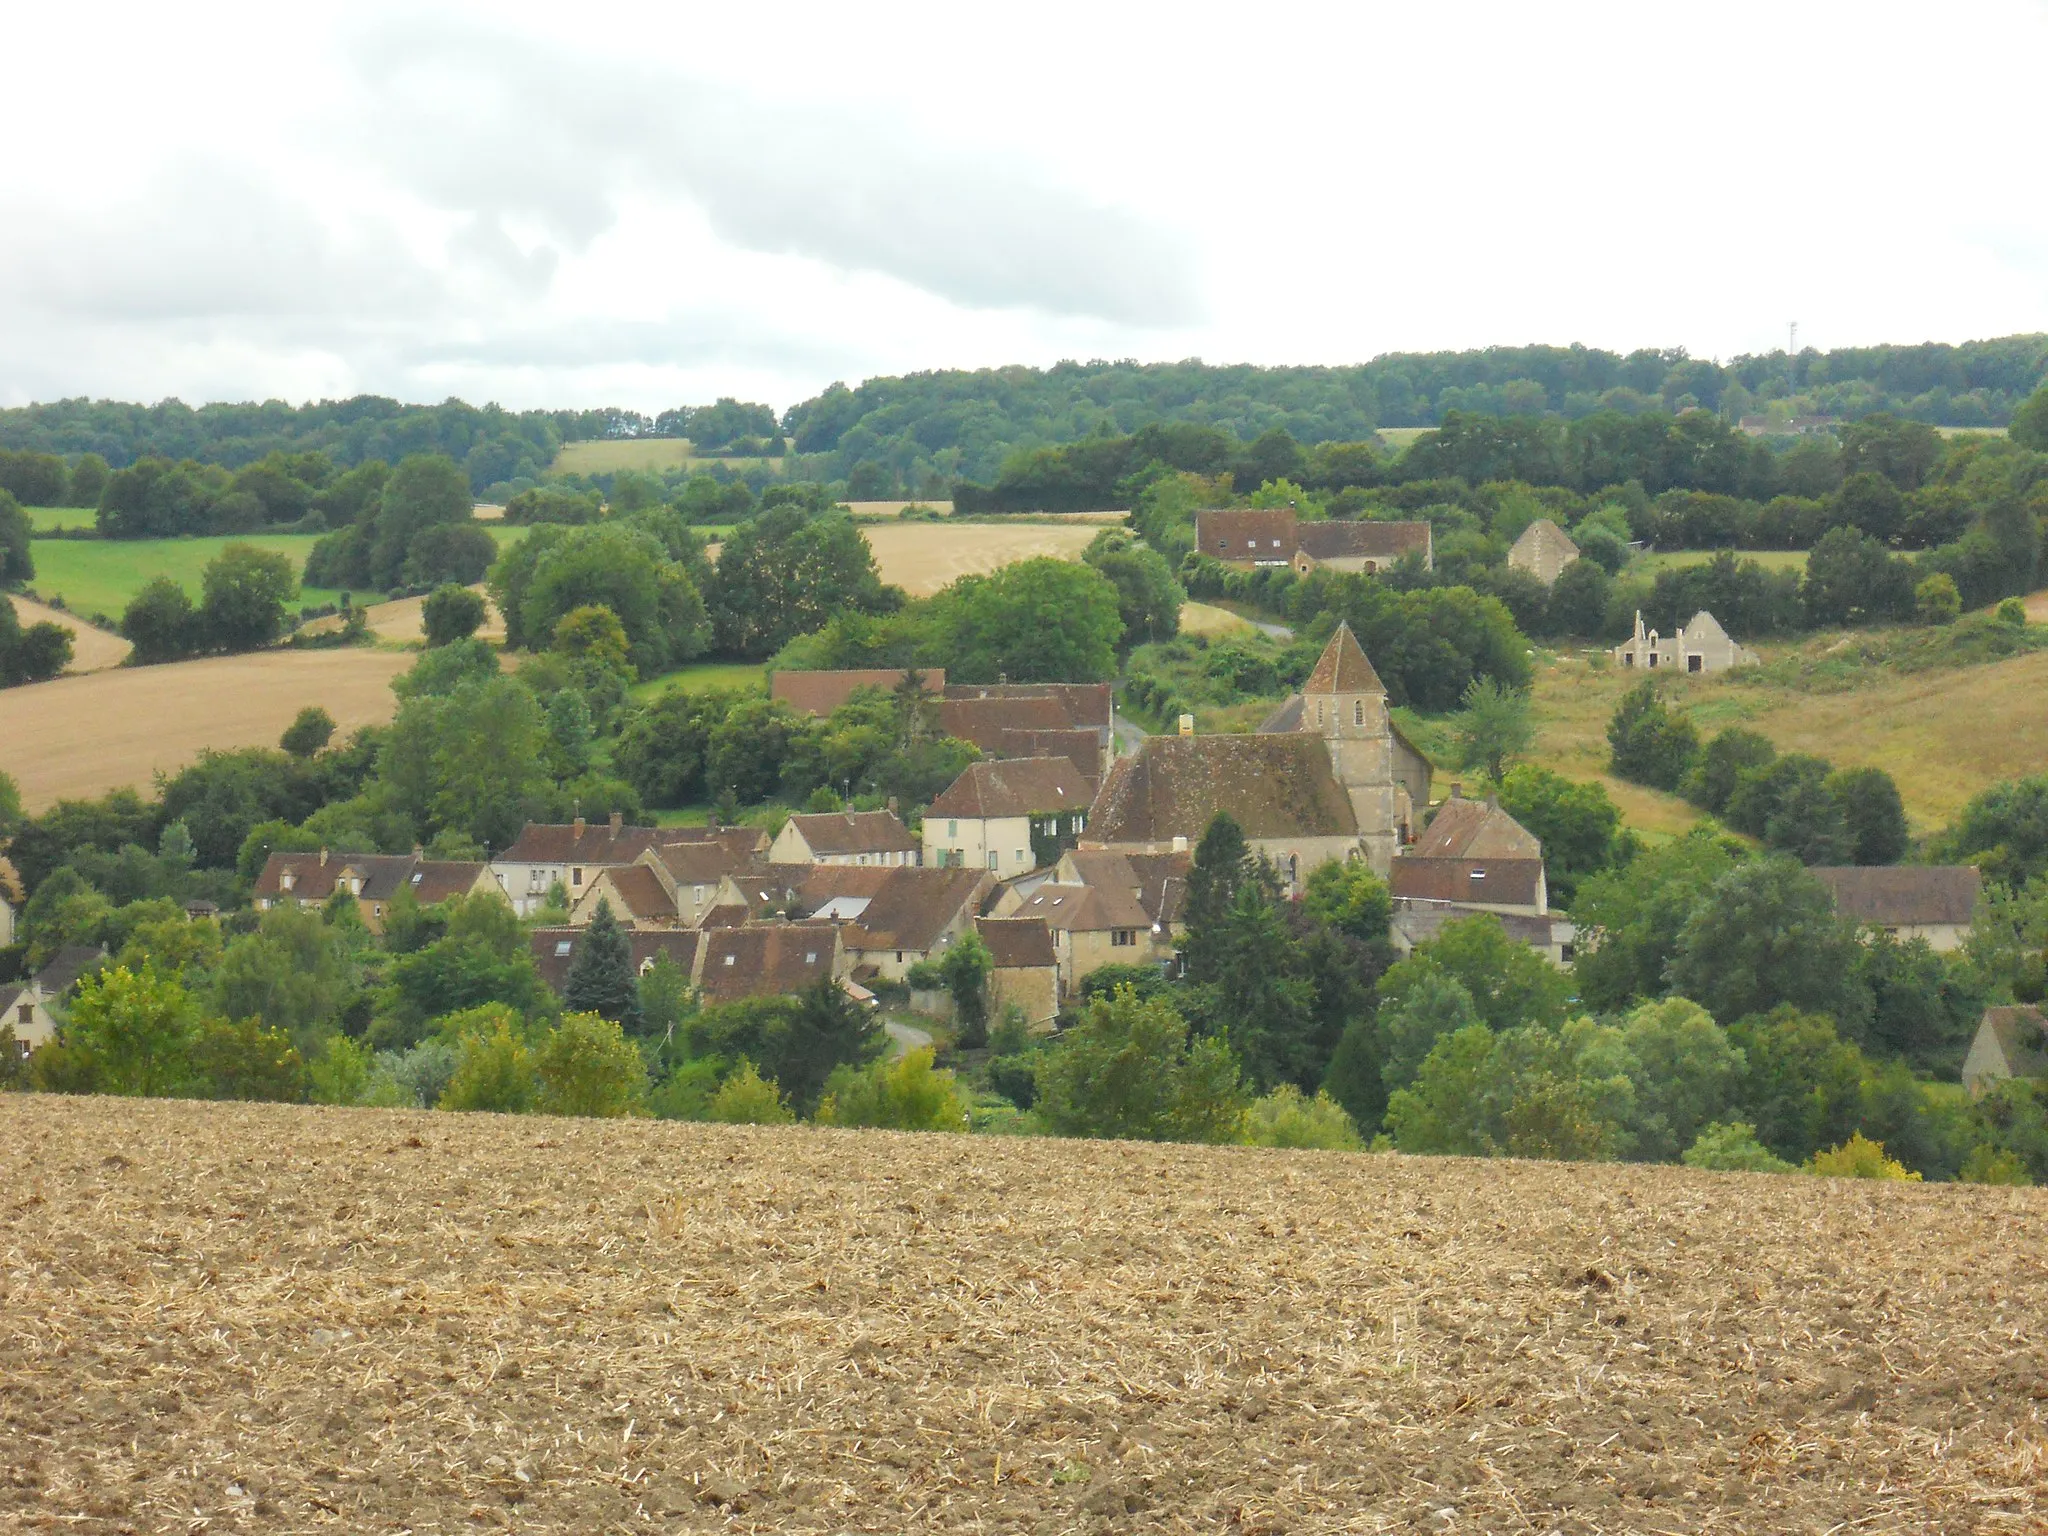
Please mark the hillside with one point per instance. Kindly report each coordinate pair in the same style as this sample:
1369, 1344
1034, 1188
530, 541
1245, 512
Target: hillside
278, 1318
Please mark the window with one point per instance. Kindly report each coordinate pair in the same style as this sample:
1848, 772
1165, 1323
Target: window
1358, 712
562, 947
1628, 658
1694, 663
728, 959
417, 877
1653, 658
1122, 938
810, 957
1020, 855
697, 894
899, 957
952, 829
578, 877
1565, 953
286, 880
26, 1012
1478, 874
1319, 712
1251, 543
993, 858
1276, 543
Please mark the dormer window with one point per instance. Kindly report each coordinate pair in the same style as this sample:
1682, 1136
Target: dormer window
287, 880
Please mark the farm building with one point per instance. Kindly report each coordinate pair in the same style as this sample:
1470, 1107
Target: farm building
1024, 971
572, 853
1543, 550
1935, 902
1252, 537
1007, 816
1700, 646
844, 837
373, 879
2010, 1042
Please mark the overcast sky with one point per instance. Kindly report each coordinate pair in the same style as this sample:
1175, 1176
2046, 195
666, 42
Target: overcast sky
655, 206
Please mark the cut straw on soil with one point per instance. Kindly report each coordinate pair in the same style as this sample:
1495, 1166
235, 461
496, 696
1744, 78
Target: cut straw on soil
229, 1317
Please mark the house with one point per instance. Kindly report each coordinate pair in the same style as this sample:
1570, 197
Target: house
373, 879
2010, 1042
1158, 882
1700, 646
637, 895
820, 693
554, 951
572, 854
1024, 719
844, 837
1550, 934
1543, 550
1024, 971
1103, 907
1254, 537
1007, 816
25, 1007
1327, 778
1084, 748
692, 873
1935, 902
766, 960
1473, 855
892, 917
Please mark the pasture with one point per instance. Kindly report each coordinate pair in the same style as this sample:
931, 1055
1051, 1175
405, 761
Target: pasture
101, 575
49, 519
78, 737
702, 677
1665, 560
231, 1316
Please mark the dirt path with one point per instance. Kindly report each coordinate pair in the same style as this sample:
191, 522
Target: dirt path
92, 650
82, 736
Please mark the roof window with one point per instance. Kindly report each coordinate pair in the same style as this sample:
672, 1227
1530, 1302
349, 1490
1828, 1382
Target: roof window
728, 959
810, 957
562, 947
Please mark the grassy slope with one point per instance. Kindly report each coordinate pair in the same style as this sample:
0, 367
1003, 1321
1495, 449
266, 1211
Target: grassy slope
603, 458
702, 676
1770, 559
42, 519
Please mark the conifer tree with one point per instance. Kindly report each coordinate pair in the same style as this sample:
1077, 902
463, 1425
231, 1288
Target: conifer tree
601, 977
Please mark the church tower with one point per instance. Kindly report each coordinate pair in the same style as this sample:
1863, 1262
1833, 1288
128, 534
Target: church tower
1345, 703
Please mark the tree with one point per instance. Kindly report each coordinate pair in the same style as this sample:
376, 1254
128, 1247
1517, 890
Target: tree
588, 1067
1859, 1158
136, 1028
17, 558
747, 1098
1149, 599
1128, 1070
1580, 596
1531, 1092
1686, 1075
1348, 897
160, 622
1630, 918
1873, 814
1732, 1147
1508, 982
244, 1060
1715, 773
1223, 861
1577, 824
41, 651
472, 762
1036, 621
965, 970
1787, 804
1287, 1117
10, 806
786, 573
494, 1070
245, 593
1649, 744
88, 481
1766, 934
2029, 427
451, 613
425, 490
1494, 727
311, 729
1433, 1007
1258, 995
905, 1094
601, 977
1936, 600
2004, 831
1852, 579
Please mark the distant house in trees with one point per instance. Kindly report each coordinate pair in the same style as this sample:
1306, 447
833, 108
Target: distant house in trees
1700, 646
1474, 857
1024, 973
554, 951
1007, 816
572, 853
1253, 537
373, 879
1543, 550
2010, 1042
1935, 902
25, 1006
844, 837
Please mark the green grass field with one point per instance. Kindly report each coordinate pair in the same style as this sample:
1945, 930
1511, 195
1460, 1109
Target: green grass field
1769, 559
46, 519
701, 677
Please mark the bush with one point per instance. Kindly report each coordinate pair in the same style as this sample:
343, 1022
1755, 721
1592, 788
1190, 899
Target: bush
1995, 1165
1286, 1118
1732, 1147
451, 613
588, 1067
494, 1070
1128, 1070
1650, 744
1015, 1078
901, 1095
1936, 600
1859, 1158
309, 731
747, 1098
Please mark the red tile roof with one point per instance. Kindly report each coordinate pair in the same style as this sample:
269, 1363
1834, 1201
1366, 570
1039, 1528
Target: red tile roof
1366, 539
838, 833
640, 892
913, 907
554, 950
581, 843
1475, 829
1247, 533
766, 960
1495, 882
1030, 786
1017, 943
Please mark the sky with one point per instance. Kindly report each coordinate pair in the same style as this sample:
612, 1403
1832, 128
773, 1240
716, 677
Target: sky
657, 205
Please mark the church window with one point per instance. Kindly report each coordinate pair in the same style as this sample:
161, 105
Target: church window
1358, 712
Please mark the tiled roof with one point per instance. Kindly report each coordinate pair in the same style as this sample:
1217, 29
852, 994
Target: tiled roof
554, 950
640, 892
1904, 895
1419, 922
1027, 786
1247, 533
1082, 747
1343, 539
766, 960
738, 841
1083, 908
1343, 668
817, 884
314, 874
820, 693
589, 843
912, 908
986, 723
1158, 881
844, 832
1086, 705
1499, 882
435, 880
702, 863
1274, 786
1475, 829
1017, 943
62, 970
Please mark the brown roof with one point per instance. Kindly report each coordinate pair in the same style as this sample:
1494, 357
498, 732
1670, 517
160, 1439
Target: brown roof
1026, 786
554, 950
1017, 943
1365, 540
766, 960
1084, 908
1419, 922
1499, 882
738, 841
1087, 705
1158, 881
2022, 1036
1082, 747
844, 832
435, 880
987, 722
1475, 829
641, 893
820, 693
1343, 668
314, 875
592, 842
912, 908
1904, 895
1247, 533
1274, 786
733, 916
702, 863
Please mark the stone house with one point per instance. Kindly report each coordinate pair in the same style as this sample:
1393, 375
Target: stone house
373, 879
2010, 1042
911, 916
1543, 550
844, 837
1007, 816
1935, 902
766, 960
572, 854
25, 1007
1025, 972
1105, 907
554, 951
1700, 646
1012, 720
1253, 537
1476, 856
637, 895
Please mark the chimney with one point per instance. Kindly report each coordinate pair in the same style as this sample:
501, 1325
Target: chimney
577, 825
323, 858
894, 810
1187, 725
1180, 845
1457, 791
618, 822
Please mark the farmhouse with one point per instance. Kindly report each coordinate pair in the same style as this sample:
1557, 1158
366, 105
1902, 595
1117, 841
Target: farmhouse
820, 693
844, 837
2010, 1042
912, 915
1254, 537
373, 879
1543, 550
1935, 902
766, 960
25, 1007
554, 952
1700, 646
572, 854
1006, 816
1106, 908
1476, 856
1024, 971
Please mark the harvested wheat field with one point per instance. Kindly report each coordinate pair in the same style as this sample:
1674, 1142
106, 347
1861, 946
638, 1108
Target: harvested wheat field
231, 1317
82, 736
923, 557
92, 649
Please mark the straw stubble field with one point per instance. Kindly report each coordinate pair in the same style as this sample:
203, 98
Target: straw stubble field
226, 1318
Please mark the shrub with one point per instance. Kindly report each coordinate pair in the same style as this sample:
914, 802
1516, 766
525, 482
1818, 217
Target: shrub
1287, 1118
451, 613
494, 1070
1129, 1070
1732, 1147
311, 730
2013, 613
1987, 1164
1859, 1158
747, 1098
339, 1072
906, 1094
588, 1067
1936, 600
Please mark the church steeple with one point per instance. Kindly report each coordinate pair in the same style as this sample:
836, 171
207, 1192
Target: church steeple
1343, 668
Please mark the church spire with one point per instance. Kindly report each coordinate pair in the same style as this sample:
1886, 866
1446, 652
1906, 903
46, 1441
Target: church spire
1343, 668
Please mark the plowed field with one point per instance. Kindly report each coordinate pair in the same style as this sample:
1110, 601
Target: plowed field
218, 1317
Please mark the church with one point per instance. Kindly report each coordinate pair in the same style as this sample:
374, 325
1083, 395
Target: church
1328, 776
